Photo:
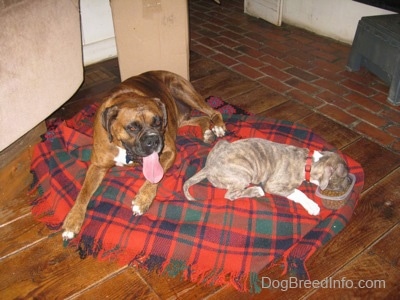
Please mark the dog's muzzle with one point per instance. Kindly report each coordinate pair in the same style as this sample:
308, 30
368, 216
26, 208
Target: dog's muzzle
150, 143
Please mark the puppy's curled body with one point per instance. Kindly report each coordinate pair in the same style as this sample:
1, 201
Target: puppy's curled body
249, 167
234, 166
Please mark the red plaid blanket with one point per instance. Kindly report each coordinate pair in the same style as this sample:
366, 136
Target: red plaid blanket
203, 241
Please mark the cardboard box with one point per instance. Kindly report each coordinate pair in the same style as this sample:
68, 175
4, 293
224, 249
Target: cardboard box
151, 35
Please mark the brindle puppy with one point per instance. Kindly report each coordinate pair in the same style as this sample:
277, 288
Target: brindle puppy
274, 168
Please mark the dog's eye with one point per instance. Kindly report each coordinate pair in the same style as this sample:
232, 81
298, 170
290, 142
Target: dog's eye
156, 121
133, 127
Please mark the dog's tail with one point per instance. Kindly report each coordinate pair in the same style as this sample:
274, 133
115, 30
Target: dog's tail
191, 181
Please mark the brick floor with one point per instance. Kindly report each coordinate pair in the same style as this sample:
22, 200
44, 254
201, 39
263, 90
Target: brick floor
297, 65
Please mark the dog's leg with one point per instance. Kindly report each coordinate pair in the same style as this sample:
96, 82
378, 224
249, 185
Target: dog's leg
184, 91
310, 206
204, 122
251, 192
147, 192
74, 220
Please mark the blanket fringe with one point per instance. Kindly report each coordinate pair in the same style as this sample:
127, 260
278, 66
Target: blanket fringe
194, 273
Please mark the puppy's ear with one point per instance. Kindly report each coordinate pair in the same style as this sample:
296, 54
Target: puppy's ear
342, 170
323, 183
163, 109
108, 116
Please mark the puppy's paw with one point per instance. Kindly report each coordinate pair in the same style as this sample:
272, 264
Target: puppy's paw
218, 131
257, 191
312, 208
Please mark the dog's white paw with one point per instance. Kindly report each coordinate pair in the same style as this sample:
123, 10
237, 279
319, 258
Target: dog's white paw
68, 235
218, 131
136, 210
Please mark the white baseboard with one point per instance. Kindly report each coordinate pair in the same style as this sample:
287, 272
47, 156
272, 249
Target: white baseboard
99, 51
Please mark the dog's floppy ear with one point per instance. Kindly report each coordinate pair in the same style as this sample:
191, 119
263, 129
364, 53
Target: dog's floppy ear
323, 183
107, 117
163, 109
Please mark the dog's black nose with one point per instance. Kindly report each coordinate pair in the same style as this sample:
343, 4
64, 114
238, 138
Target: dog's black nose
151, 141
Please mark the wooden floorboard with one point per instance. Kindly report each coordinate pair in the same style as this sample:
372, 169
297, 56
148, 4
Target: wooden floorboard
312, 90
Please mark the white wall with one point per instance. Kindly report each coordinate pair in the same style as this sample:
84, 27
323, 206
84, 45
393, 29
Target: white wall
336, 19
97, 31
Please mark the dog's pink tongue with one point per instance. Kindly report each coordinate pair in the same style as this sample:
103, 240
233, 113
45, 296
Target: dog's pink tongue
152, 168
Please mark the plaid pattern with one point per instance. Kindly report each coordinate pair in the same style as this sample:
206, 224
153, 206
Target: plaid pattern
212, 240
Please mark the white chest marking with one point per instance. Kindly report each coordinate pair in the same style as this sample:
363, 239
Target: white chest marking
120, 159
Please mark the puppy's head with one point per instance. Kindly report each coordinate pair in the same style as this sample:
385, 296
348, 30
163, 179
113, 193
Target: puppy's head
136, 124
331, 172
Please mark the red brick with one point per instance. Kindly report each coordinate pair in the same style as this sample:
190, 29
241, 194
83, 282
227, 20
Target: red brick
364, 102
326, 56
391, 114
247, 71
305, 64
228, 42
358, 87
375, 133
274, 72
396, 146
200, 49
301, 85
381, 97
274, 84
332, 67
230, 34
274, 53
301, 74
250, 42
305, 98
326, 74
337, 114
331, 86
228, 51
394, 130
276, 62
381, 87
224, 59
250, 51
208, 42
334, 99
250, 61
367, 116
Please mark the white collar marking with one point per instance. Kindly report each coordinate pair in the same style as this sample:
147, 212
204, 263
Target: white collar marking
316, 156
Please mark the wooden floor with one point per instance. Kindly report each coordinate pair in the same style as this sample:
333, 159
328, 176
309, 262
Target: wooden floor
284, 73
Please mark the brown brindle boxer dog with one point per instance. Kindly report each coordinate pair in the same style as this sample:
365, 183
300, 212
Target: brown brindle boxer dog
138, 123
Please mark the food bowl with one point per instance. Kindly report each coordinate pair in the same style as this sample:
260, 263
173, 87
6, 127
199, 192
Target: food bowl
333, 199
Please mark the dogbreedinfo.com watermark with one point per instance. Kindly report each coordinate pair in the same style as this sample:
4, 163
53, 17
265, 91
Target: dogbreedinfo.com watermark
327, 283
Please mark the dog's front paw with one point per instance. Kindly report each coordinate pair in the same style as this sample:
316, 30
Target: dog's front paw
218, 131
73, 223
139, 208
136, 209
